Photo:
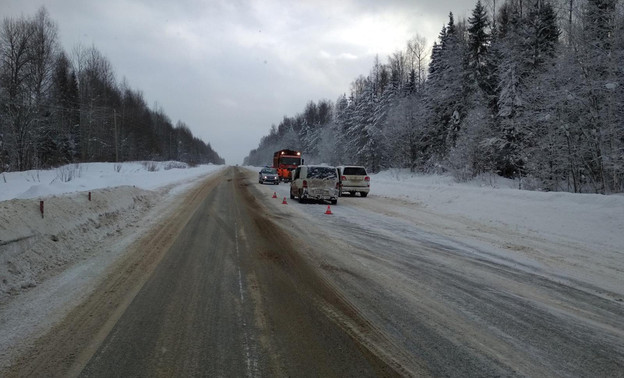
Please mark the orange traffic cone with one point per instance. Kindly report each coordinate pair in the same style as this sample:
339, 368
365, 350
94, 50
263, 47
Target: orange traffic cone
274, 195
284, 201
328, 212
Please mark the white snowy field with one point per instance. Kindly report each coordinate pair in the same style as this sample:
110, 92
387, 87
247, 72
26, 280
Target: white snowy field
573, 238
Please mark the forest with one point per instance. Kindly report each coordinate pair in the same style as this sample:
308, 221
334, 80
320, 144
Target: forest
531, 90
58, 108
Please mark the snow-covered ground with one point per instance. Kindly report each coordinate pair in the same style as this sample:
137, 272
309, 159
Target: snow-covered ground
33, 247
573, 238
84, 177
44, 262
589, 218
50, 263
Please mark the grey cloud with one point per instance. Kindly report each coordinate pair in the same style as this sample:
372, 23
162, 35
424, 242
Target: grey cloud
230, 69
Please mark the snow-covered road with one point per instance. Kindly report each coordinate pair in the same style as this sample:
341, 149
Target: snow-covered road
453, 279
574, 238
455, 296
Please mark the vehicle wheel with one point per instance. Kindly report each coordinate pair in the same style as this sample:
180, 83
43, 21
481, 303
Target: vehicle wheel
291, 195
333, 202
363, 194
277, 183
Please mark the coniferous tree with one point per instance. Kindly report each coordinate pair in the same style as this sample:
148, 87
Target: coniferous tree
480, 60
478, 45
66, 112
509, 100
540, 33
445, 92
598, 70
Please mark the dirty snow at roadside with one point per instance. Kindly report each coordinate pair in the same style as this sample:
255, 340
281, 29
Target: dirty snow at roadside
577, 238
33, 247
593, 219
573, 237
49, 264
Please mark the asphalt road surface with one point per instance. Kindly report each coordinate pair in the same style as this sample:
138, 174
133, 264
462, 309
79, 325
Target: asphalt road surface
232, 285
230, 298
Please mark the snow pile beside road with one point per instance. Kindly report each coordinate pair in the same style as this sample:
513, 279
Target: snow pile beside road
89, 176
34, 248
592, 219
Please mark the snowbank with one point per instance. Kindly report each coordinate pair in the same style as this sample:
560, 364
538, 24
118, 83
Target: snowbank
89, 176
34, 248
593, 219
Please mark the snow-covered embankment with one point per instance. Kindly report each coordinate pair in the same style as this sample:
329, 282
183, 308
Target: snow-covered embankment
34, 248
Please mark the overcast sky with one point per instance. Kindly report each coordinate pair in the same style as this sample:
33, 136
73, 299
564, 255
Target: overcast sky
230, 69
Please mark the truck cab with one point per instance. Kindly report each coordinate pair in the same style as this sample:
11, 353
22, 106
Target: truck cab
286, 161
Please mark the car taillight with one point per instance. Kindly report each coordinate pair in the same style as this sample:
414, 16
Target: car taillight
343, 178
338, 185
367, 178
305, 184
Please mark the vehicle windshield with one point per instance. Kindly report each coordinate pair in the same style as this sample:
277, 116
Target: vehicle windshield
359, 171
269, 171
322, 172
290, 160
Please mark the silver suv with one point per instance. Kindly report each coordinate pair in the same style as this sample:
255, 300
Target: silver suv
314, 182
267, 174
354, 179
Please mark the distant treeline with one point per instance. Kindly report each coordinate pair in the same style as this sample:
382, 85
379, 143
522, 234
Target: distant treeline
57, 109
530, 90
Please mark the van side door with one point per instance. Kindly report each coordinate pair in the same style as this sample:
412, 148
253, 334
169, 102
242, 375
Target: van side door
294, 183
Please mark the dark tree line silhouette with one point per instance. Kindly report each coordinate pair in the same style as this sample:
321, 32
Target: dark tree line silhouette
56, 109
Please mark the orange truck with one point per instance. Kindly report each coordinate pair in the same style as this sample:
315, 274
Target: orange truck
285, 161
